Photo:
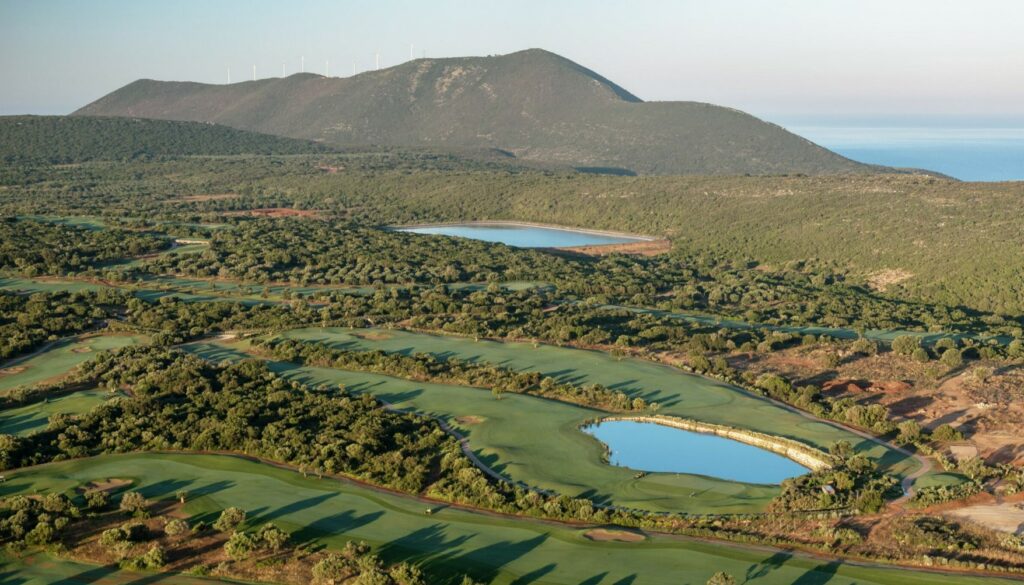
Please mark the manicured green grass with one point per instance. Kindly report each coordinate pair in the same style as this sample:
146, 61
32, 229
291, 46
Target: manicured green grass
33, 285
939, 479
534, 441
678, 393
446, 543
60, 359
31, 418
43, 569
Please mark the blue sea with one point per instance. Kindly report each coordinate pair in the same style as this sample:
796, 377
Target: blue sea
966, 153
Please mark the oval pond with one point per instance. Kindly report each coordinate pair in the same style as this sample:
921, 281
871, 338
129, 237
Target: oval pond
524, 236
653, 447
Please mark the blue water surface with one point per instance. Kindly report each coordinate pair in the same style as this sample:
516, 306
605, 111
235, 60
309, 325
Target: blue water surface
522, 236
965, 153
653, 447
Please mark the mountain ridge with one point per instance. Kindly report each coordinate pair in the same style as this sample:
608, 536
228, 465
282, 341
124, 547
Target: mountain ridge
534, 104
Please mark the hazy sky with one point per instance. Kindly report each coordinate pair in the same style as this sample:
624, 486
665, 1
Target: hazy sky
785, 60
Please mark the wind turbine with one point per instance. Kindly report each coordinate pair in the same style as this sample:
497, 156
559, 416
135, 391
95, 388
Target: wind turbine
282, 70
327, 68
254, 73
229, 73
302, 64
378, 60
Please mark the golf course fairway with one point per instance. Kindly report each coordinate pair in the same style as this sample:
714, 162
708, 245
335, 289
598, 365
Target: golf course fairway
58, 359
679, 394
449, 542
530, 440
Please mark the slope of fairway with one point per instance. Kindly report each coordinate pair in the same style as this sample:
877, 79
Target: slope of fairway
531, 440
678, 393
42, 569
58, 360
35, 416
450, 541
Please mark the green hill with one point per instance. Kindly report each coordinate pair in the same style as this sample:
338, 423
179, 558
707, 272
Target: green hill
74, 139
533, 104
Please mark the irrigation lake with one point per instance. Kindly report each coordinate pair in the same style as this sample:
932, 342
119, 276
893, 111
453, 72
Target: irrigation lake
524, 236
645, 446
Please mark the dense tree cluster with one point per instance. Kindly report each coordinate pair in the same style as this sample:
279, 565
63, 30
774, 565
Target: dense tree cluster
182, 402
66, 139
35, 521
314, 252
27, 321
34, 248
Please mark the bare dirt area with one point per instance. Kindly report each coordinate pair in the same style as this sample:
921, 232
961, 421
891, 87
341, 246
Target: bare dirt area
613, 535
883, 279
199, 551
1004, 517
644, 248
470, 420
209, 197
276, 212
983, 400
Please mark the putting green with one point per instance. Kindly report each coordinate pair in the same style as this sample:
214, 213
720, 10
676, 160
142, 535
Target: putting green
60, 359
35, 416
679, 394
446, 543
533, 441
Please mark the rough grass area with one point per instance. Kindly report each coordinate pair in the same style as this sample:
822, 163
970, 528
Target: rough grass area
35, 416
448, 542
59, 360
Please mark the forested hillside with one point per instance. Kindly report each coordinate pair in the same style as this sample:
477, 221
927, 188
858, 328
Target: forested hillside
534, 104
61, 139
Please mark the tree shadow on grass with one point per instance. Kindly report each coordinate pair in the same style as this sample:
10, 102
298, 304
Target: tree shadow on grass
440, 555
489, 560
759, 570
819, 575
290, 508
535, 574
426, 545
334, 524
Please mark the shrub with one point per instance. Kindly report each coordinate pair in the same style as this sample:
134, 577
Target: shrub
229, 519
175, 527
96, 499
945, 433
952, 358
135, 504
906, 344
240, 546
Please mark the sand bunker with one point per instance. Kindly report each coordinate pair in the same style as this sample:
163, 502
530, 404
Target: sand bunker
81, 350
469, 420
373, 336
106, 485
609, 535
13, 370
